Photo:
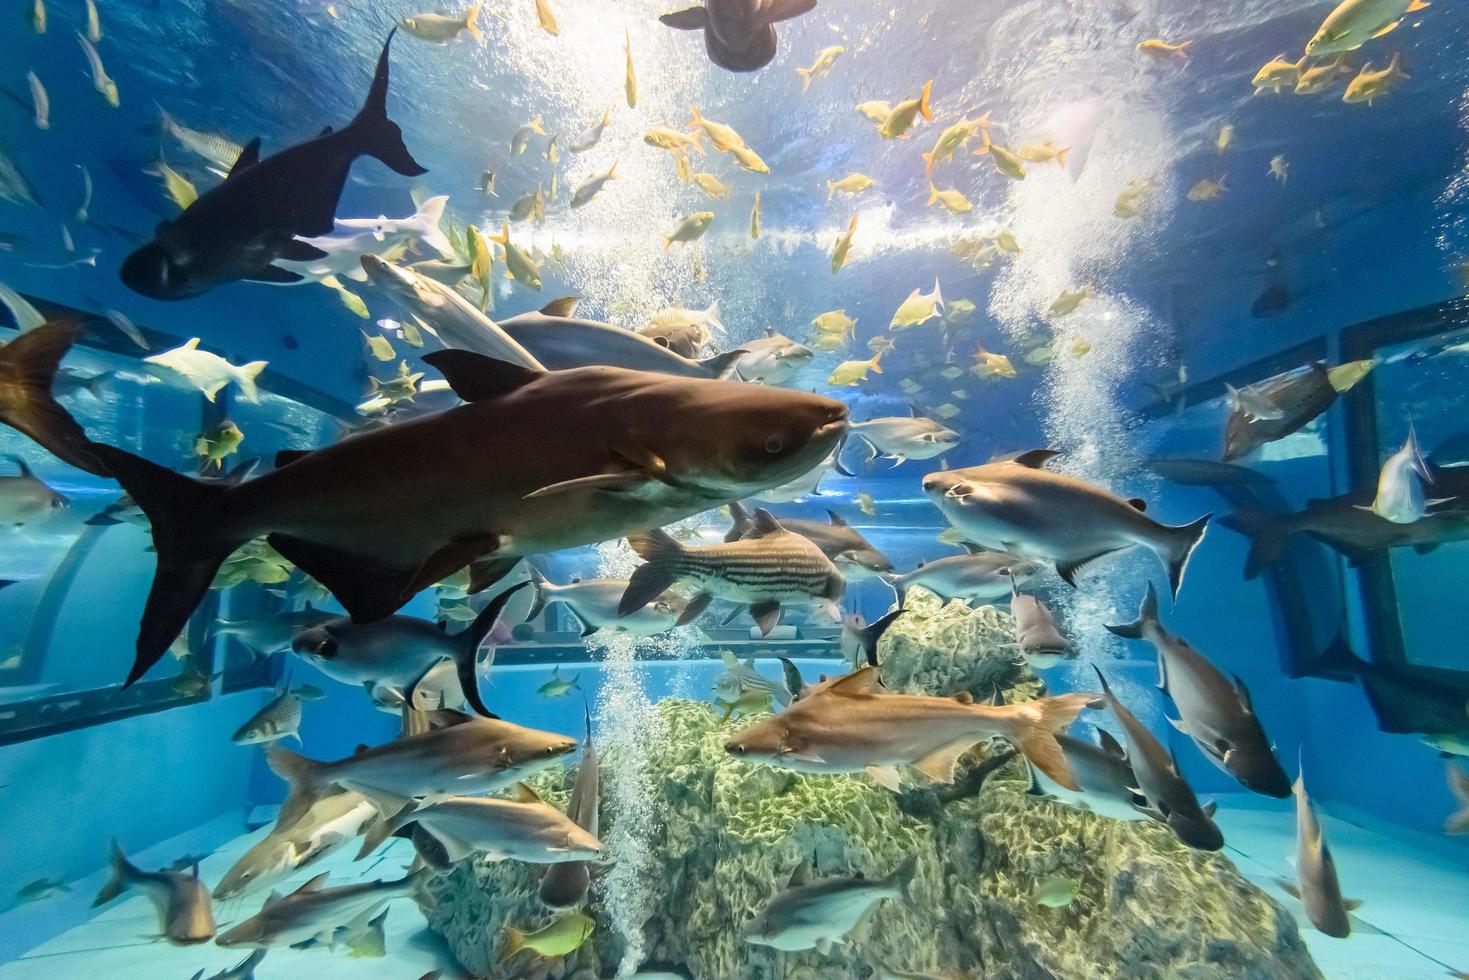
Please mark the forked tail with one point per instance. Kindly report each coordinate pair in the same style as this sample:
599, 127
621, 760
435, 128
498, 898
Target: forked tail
375, 134
1032, 726
27, 367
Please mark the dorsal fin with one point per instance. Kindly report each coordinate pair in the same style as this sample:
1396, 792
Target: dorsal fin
271, 899
248, 157
475, 377
836, 519
325, 132
524, 794
563, 307
1110, 745
288, 456
1035, 458
314, 885
857, 682
446, 717
764, 523
800, 876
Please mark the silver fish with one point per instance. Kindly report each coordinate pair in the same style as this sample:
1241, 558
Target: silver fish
318, 914
1036, 632
818, 914
185, 916
982, 575
279, 719
768, 566
807, 484
773, 359
1105, 783
565, 883
595, 602
1213, 712
1316, 882
271, 633
26, 499
470, 755
1167, 793
901, 438
739, 678
330, 823
561, 341
1016, 505
524, 829
1400, 495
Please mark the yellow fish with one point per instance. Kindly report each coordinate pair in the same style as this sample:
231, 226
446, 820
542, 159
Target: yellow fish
379, 346
1279, 167
1080, 347
1370, 85
1344, 377
1043, 152
876, 111
217, 442
1067, 302
989, 364
1225, 138
905, 113
749, 703
844, 245
853, 184
1163, 51
952, 201
1006, 242
1311, 81
958, 309
177, 186
712, 186
1275, 75
481, 262
101, 81
1355, 22
825, 58
349, 299
564, 935
682, 168
866, 504
689, 229
630, 82
1207, 190
755, 218
546, 17
748, 159
1130, 197
37, 16
951, 139
918, 308
519, 265
835, 323
849, 374
1005, 160
673, 140
722, 136
520, 139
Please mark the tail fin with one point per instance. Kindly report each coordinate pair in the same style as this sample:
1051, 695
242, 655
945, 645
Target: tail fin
903, 876
1268, 536
1034, 733
122, 874
382, 828
466, 657
192, 534
1182, 541
740, 523
649, 581
471, 22
27, 366
304, 778
246, 380
1183, 49
375, 134
723, 365
538, 594
938, 296
927, 170
514, 942
923, 100
872, 634
1147, 616
805, 74
831, 185
711, 317
933, 192
429, 218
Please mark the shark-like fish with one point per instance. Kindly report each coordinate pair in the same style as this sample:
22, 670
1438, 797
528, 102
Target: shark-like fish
1316, 882
317, 914
983, 575
185, 916
817, 914
595, 603
565, 883
322, 830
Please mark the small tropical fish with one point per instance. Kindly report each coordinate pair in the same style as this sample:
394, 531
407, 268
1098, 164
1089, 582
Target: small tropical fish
1056, 891
755, 219
178, 188
546, 17
1005, 160
1275, 75
866, 504
918, 308
40, 890
557, 686
1355, 22
1067, 302
851, 373
1253, 402
817, 914
843, 246
1129, 198
1043, 152
1370, 85
825, 58
852, 184
1400, 494
379, 346
1080, 347
673, 140
876, 112
1225, 138
520, 266
40, 102
1279, 167
37, 16
1312, 81
712, 186
1207, 190
563, 936
958, 309
591, 187
835, 323
101, 81
690, 229
990, 364
747, 703
443, 28
905, 113
220, 151
487, 183
520, 139
721, 135
280, 719
94, 23
217, 443
630, 80
748, 159
952, 138
1160, 50
952, 201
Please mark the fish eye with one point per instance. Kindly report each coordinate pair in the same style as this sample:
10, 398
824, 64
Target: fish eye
774, 444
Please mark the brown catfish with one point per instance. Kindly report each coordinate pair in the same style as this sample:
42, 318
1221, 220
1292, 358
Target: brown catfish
1300, 395
534, 461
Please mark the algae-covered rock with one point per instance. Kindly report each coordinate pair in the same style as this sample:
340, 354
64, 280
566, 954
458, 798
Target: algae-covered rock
732, 832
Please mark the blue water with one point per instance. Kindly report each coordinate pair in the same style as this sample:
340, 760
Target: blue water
1367, 241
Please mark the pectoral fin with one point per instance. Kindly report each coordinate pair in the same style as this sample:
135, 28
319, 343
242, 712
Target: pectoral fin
939, 764
766, 616
886, 776
691, 19
622, 481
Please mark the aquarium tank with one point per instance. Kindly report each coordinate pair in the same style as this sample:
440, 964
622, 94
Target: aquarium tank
751, 490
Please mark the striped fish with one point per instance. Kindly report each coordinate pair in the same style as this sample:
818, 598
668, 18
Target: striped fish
741, 678
279, 719
768, 566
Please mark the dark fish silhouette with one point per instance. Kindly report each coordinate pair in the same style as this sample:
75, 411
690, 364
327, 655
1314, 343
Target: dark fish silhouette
237, 229
738, 34
1301, 395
